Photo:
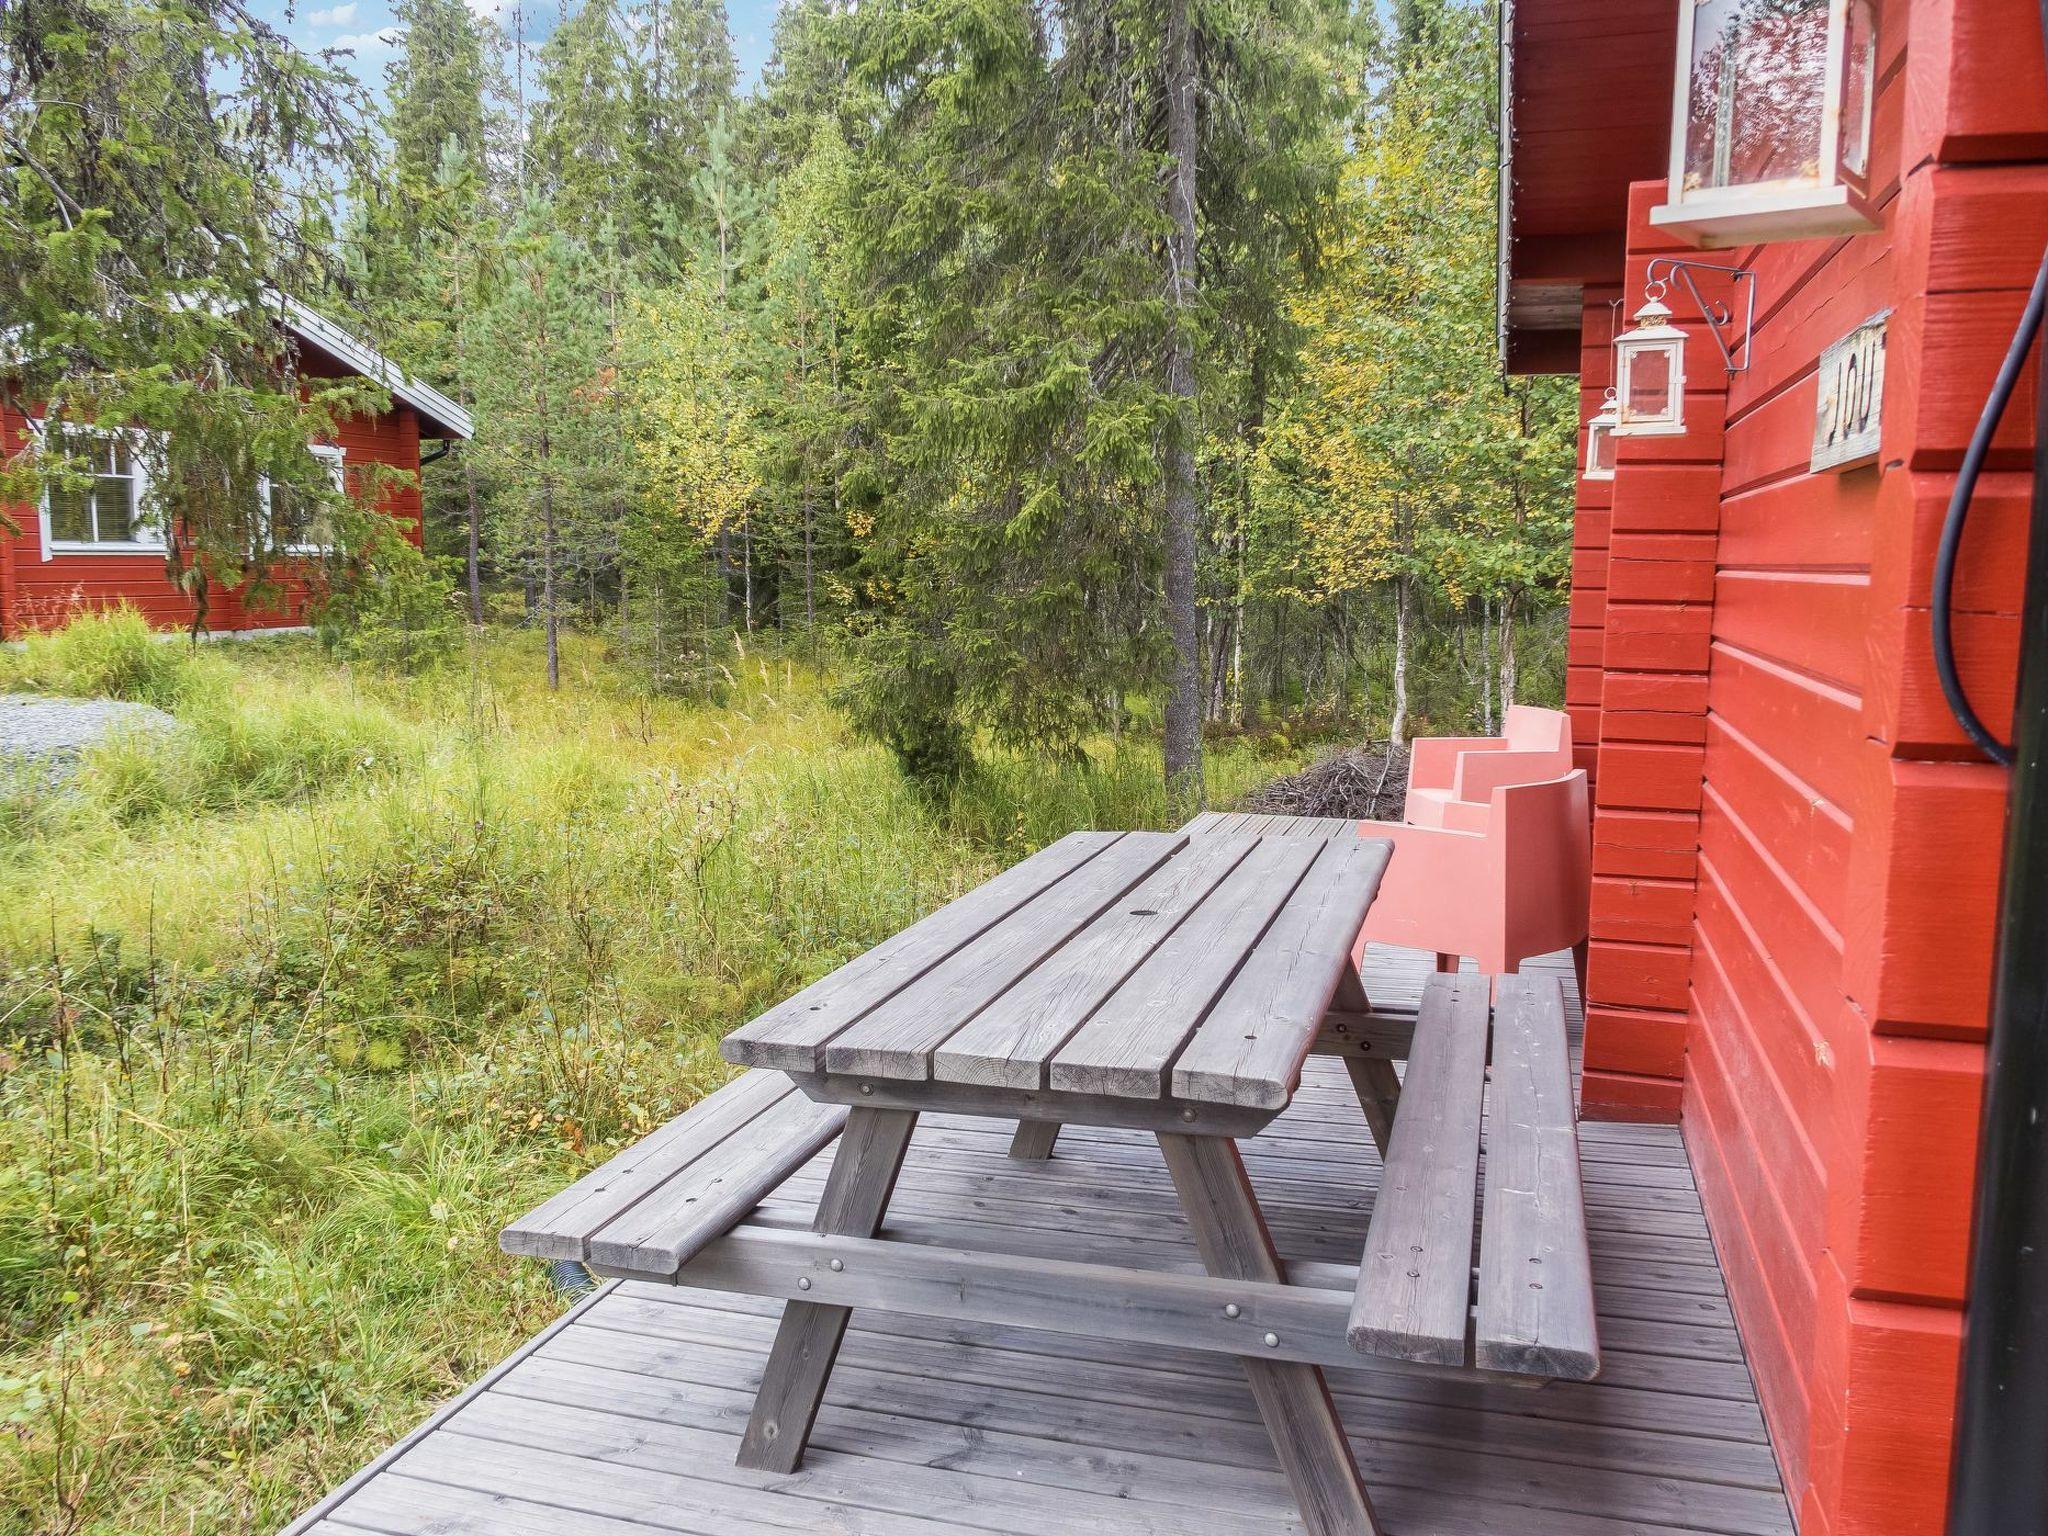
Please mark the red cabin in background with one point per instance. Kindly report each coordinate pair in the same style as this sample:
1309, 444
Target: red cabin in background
80, 555
1796, 851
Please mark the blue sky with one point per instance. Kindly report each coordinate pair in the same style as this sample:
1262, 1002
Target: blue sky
365, 27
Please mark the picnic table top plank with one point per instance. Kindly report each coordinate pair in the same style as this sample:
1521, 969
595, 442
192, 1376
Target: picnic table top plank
792, 1036
1128, 1047
896, 1039
1415, 1280
1010, 1042
1250, 1047
1535, 1310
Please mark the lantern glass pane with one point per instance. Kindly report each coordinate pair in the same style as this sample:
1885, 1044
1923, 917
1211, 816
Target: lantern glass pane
1646, 383
1600, 451
1859, 71
1753, 108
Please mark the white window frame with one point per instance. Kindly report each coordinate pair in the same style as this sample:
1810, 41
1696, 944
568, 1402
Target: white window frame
1833, 202
335, 457
138, 480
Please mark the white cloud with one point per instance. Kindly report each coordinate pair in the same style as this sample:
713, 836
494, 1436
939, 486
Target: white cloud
487, 10
335, 16
383, 40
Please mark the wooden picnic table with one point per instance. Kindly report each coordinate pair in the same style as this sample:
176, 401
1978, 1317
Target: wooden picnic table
1162, 982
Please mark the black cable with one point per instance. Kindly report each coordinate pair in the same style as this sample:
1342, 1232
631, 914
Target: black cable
1959, 510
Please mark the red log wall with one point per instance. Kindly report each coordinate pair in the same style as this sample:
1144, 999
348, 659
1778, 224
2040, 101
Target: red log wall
1796, 853
40, 594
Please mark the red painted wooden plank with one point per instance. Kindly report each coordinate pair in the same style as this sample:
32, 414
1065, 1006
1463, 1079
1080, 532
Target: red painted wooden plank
1812, 838
1814, 621
1921, 922
1919, 1168
1640, 1042
1660, 844
1652, 776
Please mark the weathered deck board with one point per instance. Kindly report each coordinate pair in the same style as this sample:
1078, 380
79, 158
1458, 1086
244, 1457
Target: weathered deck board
624, 1420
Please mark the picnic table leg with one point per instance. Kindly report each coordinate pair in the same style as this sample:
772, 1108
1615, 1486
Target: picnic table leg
856, 1195
1034, 1139
1379, 1095
1293, 1398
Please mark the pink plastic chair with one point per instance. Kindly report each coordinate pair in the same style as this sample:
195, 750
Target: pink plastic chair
1518, 885
1452, 778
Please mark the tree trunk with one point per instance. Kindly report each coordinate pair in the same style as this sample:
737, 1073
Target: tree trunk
1397, 727
1183, 745
475, 573
747, 570
547, 570
1237, 640
1486, 727
810, 574
1508, 678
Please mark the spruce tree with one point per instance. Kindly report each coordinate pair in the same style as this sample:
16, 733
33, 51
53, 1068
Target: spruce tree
1042, 281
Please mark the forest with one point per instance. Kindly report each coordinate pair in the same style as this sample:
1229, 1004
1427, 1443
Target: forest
1001, 417
1048, 365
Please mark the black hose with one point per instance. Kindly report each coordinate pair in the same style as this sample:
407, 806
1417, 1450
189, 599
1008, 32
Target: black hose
1959, 510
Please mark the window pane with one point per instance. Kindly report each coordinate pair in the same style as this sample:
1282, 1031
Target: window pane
114, 500
1649, 382
298, 521
1600, 450
70, 516
1859, 69
1754, 101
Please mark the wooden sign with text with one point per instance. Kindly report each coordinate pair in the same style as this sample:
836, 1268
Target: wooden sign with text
1850, 406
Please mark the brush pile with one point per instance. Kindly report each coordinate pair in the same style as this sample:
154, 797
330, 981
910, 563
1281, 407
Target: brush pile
1368, 782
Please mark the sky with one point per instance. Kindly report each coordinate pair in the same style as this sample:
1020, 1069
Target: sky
364, 26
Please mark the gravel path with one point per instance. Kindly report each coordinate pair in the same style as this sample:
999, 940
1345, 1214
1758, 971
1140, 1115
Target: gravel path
52, 732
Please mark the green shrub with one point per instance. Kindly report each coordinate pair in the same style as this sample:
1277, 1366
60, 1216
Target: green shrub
393, 606
110, 654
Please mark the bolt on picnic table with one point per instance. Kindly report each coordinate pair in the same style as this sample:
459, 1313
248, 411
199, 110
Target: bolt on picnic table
1153, 982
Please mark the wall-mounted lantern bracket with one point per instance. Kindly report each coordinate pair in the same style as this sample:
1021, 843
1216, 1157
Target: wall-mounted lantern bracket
1720, 317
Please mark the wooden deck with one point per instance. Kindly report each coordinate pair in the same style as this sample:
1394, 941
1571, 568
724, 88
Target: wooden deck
624, 1418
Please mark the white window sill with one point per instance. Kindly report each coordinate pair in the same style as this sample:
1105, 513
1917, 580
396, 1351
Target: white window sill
104, 547
1725, 217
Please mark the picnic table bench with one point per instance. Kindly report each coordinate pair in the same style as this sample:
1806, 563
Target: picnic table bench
1159, 982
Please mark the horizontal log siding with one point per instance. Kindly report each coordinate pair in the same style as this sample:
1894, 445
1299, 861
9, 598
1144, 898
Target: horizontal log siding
38, 594
1843, 877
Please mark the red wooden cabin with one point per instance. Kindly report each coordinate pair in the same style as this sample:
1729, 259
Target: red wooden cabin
59, 565
1797, 851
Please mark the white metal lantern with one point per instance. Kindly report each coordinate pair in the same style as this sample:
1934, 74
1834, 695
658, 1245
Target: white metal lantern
1649, 373
1770, 120
1600, 440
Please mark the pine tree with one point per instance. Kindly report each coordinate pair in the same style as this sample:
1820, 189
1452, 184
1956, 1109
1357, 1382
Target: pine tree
541, 385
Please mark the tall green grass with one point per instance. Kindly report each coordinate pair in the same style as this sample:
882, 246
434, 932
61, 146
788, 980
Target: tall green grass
299, 1004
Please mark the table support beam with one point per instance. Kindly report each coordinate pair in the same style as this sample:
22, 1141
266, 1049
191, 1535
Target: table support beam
1294, 1399
1034, 1140
863, 1176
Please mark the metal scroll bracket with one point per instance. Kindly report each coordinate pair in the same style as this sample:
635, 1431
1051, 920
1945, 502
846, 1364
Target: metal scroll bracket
1720, 317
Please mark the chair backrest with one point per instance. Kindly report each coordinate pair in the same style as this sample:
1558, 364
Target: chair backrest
1539, 747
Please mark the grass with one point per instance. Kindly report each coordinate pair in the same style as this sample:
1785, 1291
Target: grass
301, 1003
